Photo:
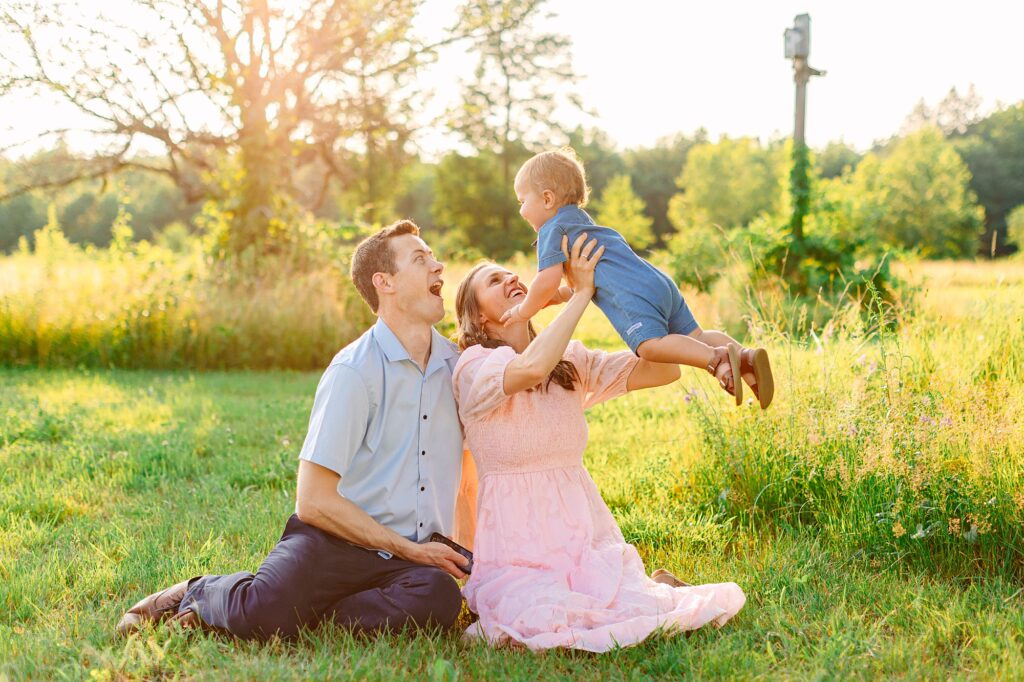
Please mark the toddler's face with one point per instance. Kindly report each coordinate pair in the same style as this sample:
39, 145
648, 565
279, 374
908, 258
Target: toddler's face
537, 207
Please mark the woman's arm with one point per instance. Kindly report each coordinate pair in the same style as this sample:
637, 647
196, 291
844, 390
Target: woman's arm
648, 374
534, 364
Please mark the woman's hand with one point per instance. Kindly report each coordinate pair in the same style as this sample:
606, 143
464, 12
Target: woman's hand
579, 269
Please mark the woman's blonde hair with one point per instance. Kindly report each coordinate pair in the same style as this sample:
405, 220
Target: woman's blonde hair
560, 171
469, 332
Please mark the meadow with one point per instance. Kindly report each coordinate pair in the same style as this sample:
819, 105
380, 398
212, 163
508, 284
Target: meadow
873, 514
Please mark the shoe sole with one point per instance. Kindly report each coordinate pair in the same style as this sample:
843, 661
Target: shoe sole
763, 377
737, 379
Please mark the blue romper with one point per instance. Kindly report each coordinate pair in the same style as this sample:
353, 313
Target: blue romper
640, 301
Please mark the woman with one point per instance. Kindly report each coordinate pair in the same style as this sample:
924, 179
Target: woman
551, 567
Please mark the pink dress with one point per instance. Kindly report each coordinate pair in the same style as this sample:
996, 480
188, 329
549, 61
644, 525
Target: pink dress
551, 568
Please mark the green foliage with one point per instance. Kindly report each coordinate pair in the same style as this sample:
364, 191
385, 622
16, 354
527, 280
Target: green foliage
993, 149
601, 160
1015, 227
87, 209
622, 210
729, 183
836, 159
917, 196
654, 171
472, 205
696, 256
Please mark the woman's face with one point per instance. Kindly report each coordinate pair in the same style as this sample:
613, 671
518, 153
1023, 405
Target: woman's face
496, 290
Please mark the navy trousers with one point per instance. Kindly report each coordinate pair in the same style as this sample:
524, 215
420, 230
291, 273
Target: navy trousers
311, 576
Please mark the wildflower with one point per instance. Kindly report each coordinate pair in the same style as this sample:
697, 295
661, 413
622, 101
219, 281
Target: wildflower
286, 441
851, 430
947, 421
862, 359
1018, 500
925, 419
690, 395
898, 530
954, 526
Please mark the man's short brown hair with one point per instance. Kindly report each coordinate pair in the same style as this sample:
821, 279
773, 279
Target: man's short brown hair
374, 254
560, 171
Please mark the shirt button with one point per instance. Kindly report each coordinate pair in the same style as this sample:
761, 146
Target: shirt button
422, 488
423, 452
421, 524
424, 416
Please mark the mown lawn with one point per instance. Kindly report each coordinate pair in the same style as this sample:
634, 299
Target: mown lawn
114, 484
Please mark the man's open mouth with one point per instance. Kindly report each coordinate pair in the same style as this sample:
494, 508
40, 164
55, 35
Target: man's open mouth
435, 288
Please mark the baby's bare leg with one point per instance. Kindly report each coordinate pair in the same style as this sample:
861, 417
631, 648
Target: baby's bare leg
676, 349
713, 337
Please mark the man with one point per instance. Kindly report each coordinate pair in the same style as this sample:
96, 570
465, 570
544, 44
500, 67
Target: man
378, 473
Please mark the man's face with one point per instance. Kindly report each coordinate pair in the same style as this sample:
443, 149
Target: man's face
416, 284
535, 206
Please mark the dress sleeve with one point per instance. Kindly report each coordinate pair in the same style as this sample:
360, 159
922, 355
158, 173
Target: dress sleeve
603, 374
479, 380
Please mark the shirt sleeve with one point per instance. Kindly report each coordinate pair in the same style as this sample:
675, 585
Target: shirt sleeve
479, 381
549, 247
338, 423
604, 375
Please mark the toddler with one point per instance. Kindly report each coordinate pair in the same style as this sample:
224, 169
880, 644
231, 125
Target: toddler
640, 301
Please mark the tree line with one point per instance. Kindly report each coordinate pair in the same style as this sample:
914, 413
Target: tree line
312, 110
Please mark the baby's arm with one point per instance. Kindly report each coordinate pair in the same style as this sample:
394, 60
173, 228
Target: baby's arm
543, 291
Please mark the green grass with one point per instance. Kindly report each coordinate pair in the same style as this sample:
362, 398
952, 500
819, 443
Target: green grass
114, 484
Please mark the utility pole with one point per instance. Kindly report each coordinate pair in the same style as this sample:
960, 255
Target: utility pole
798, 48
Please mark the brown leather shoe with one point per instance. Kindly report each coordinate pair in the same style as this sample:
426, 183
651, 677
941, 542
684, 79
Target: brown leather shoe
754, 361
189, 620
155, 607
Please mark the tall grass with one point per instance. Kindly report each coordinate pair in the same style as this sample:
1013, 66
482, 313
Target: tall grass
148, 307
905, 444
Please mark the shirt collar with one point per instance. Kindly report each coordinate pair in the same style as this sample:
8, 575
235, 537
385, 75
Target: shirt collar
441, 349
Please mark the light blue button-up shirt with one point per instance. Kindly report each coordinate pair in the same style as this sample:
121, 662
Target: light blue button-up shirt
391, 431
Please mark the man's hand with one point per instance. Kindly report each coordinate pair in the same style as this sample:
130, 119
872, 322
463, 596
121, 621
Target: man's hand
513, 315
439, 555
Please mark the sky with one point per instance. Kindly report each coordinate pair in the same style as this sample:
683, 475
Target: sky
652, 68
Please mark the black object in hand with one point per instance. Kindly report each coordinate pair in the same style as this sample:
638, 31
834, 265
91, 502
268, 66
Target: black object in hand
437, 537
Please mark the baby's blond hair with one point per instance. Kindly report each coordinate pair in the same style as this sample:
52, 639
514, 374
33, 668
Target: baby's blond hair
560, 171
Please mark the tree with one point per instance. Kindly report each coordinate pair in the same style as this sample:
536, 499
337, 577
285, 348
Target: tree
729, 183
993, 149
467, 191
954, 114
654, 172
521, 78
1015, 227
272, 88
599, 157
622, 210
835, 159
918, 197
